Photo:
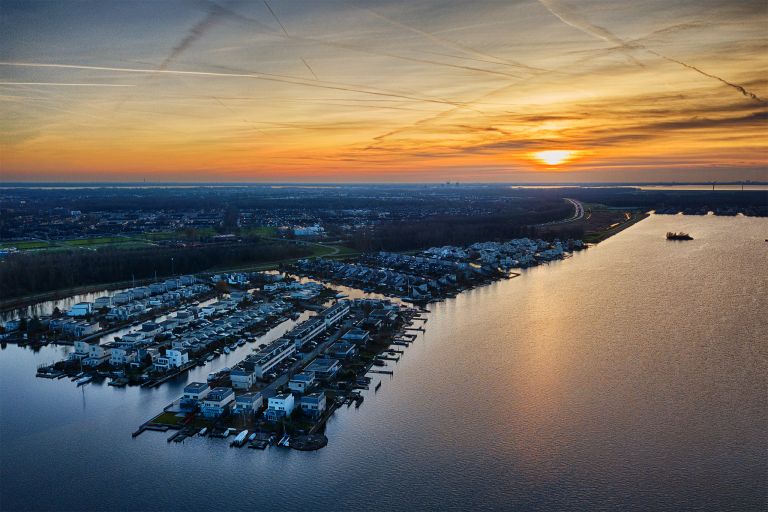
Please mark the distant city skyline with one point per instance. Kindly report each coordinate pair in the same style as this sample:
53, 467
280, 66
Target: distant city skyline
545, 91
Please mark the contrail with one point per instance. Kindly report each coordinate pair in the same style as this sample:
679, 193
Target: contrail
360, 49
196, 32
269, 8
62, 84
309, 68
276, 18
263, 76
445, 42
571, 18
739, 88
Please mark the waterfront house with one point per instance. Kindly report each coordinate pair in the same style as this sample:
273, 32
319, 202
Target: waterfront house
272, 355
82, 329
102, 302
122, 297
82, 349
279, 406
248, 403
343, 350
217, 402
193, 393
131, 340
120, 356
177, 358
313, 404
80, 309
157, 288
168, 325
324, 368
96, 356
357, 336
301, 382
335, 313
307, 331
243, 374
150, 329
184, 317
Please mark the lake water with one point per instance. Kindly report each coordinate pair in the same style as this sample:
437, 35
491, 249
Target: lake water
629, 377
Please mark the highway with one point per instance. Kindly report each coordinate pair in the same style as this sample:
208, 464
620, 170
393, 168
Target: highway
577, 215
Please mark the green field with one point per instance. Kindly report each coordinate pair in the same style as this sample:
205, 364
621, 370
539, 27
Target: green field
25, 244
80, 242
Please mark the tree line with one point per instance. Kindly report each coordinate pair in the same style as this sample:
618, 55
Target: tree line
30, 273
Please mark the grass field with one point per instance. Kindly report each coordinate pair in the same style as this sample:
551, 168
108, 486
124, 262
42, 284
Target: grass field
25, 244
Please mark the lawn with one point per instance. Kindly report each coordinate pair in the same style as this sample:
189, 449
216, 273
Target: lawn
79, 242
24, 244
168, 418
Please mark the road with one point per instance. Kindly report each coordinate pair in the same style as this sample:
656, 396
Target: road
577, 215
282, 379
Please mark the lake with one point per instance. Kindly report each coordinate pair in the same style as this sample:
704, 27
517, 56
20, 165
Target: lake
631, 376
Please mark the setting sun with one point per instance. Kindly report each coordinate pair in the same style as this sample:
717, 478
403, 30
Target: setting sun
554, 157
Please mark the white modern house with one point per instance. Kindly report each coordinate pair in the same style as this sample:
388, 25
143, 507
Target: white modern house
96, 355
120, 356
279, 406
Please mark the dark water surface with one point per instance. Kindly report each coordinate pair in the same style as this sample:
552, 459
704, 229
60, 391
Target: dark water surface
630, 377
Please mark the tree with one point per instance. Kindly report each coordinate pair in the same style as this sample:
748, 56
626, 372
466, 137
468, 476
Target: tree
222, 287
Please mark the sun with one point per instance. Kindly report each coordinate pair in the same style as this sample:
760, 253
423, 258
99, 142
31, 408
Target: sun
554, 156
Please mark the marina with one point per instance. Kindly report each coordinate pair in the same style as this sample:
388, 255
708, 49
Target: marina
497, 385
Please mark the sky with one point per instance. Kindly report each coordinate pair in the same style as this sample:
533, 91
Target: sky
413, 91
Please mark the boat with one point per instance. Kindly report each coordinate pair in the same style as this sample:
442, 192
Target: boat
226, 350
341, 296
240, 342
240, 439
203, 431
213, 376
209, 358
84, 380
252, 437
671, 235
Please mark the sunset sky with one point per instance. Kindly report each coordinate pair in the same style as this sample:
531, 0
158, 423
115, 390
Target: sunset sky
383, 91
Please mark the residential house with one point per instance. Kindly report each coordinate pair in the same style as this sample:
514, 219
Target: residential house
313, 404
279, 406
301, 382
324, 368
217, 402
248, 403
